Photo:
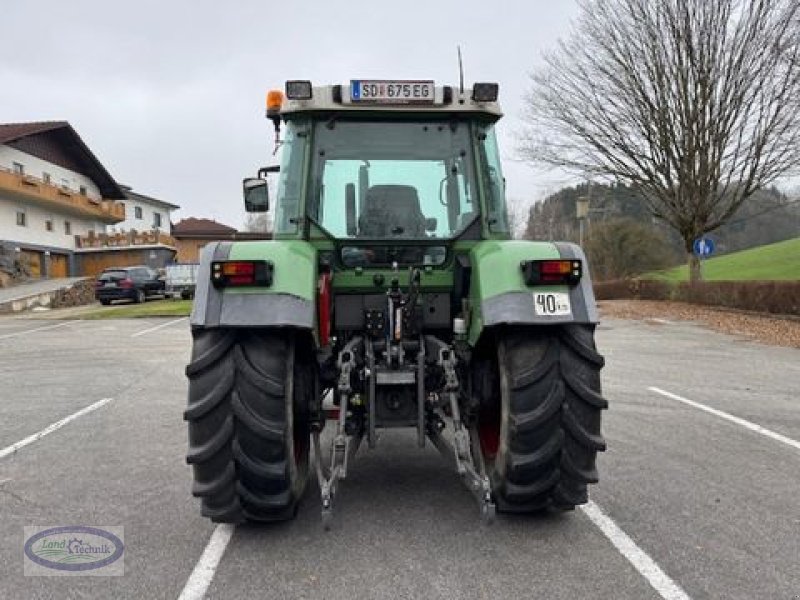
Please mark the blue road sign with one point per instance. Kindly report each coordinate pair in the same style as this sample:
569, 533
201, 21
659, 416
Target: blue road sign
703, 247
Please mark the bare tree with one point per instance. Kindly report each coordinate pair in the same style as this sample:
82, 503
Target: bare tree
693, 102
517, 214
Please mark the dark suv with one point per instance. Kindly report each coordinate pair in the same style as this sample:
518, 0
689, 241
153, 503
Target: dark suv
128, 283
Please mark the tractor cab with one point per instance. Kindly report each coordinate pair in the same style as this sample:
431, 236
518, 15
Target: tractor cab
392, 171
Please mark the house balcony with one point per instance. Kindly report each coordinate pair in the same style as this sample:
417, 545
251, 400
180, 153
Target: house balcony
118, 241
60, 199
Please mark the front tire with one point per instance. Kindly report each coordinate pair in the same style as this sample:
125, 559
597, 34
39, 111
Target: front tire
248, 414
539, 417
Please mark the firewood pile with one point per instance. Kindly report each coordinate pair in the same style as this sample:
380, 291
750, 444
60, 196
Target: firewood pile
78, 294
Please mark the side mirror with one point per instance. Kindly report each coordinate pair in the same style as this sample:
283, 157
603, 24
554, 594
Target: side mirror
350, 209
430, 224
256, 195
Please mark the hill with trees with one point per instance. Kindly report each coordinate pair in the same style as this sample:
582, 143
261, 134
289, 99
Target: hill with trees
622, 238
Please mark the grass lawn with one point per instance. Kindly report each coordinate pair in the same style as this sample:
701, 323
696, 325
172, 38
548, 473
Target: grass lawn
779, 261
153, 308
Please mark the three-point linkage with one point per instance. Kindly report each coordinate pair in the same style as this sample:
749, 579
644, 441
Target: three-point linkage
381, 382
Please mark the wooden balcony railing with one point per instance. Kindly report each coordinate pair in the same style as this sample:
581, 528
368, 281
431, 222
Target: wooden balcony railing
123, 240
61, 198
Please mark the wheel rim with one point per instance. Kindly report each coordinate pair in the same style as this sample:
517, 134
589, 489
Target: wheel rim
489, 435
491, 427
300, 432
298, 376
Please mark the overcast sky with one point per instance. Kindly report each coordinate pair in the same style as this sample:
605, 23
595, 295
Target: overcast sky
170, 94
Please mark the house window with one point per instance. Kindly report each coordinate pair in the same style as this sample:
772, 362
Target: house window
83, 190
46, 177
48, 225
137, 212
156, 219
65, 184
21, 218
67, 228
19, 169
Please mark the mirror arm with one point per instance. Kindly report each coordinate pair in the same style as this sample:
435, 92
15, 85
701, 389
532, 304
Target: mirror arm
276, 121
263, 171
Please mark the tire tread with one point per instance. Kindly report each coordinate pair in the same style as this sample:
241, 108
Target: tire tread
554, 418
236, 414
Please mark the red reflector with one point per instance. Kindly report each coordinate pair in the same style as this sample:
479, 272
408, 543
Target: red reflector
240, 280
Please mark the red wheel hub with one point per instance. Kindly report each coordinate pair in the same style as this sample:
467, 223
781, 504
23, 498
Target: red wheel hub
489, 436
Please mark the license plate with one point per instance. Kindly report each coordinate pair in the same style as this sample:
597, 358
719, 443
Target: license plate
392, 92
551, 304
110, 284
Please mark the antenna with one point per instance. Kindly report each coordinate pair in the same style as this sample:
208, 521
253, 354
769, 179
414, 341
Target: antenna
460, 72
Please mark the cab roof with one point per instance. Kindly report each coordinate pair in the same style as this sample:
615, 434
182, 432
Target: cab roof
339, 98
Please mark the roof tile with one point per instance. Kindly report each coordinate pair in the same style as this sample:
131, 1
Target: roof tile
194, 226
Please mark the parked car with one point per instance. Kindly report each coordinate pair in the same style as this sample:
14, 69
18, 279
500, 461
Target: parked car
128, 283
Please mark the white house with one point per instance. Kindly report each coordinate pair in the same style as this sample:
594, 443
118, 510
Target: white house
53, 192
143, 213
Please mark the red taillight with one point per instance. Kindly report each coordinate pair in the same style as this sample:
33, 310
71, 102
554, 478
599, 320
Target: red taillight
126, 283
551, 272
555, 267
241, 273
238, 269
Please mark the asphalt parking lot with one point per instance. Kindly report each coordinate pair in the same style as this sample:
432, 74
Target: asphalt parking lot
699, 494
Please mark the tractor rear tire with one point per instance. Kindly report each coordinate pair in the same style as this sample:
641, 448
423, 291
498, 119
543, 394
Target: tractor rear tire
248, 414
539, 423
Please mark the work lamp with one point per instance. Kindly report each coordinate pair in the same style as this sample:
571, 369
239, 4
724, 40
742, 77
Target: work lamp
298, 90
485, 92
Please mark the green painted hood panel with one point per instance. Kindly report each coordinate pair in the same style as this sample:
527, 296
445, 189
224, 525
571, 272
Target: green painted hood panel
497, 265
295, 266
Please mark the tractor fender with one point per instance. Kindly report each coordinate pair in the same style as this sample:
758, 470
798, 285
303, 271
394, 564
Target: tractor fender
289, 302
499, 295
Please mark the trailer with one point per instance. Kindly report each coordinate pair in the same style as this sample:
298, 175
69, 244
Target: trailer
181, 280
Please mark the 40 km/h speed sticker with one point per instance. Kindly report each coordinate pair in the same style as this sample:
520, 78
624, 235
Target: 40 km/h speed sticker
551, 304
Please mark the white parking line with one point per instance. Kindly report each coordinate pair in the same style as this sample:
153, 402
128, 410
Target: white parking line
51, 428
27, 331
157, 327
641, 561
203, 573
728, 417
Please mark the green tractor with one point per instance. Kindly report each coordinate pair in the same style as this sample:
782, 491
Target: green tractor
392, 296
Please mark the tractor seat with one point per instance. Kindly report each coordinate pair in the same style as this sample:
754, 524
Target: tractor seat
392, 211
